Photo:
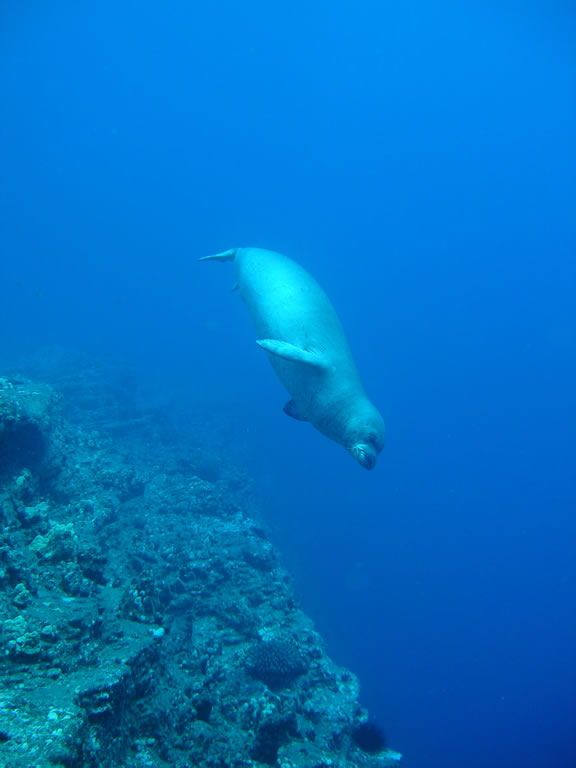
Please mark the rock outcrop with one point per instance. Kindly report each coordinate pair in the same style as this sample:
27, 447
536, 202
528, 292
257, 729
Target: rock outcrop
145, 619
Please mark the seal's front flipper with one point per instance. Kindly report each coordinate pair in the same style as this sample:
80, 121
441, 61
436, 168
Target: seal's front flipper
291, 409
224, 256
289, 352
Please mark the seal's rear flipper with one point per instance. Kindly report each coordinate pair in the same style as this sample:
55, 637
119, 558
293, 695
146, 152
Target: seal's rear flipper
224, 256
291, 409
289, 352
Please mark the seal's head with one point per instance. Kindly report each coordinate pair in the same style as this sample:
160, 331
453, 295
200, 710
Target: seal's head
365, 434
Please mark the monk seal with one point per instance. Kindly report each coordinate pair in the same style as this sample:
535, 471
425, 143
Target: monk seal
300, 330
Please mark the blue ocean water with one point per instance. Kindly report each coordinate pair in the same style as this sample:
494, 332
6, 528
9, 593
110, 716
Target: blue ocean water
419, 160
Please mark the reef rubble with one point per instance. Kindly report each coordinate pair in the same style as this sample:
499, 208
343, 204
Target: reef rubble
145, 618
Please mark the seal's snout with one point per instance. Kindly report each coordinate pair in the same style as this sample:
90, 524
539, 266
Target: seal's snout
365, 455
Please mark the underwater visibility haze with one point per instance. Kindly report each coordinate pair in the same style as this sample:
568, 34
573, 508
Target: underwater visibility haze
418, 159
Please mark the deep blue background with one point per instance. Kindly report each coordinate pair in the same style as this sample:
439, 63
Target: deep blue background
419, 158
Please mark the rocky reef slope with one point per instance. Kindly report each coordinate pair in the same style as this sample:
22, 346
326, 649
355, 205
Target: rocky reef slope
144, 617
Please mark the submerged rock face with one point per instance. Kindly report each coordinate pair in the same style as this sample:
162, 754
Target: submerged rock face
144, 617
29, 419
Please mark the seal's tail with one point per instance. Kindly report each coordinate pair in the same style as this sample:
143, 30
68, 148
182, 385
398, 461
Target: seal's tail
224, 256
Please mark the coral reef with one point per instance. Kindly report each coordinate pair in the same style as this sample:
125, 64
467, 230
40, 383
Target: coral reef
276, 662
145, 619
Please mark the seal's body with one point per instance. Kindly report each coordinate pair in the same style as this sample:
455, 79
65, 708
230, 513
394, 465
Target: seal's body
300, 330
